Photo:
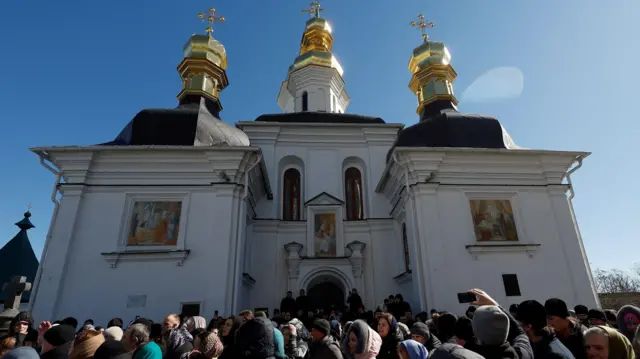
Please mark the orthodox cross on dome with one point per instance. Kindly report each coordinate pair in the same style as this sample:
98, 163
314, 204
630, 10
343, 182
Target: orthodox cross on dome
13, 291
210, 17
314, 9
422, 25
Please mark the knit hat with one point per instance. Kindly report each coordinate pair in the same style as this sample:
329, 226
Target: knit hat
115, 322
464, 329
581, 309
513, 308
211, 346
556, 308
611, 315
490, 325
533, 313
110, 349
22, 353
113, 333
597, 314
321, 325
420, 329
58, 335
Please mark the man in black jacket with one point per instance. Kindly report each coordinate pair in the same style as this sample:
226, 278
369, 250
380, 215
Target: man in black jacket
567, 330
543, 340
323, 346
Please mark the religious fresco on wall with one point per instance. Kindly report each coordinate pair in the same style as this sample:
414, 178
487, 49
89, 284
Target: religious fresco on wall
493, 220
154, 224
324, 239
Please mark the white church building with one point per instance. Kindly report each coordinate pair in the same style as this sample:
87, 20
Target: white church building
183, 212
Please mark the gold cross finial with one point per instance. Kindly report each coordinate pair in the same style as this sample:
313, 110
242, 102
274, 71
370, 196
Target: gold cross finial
29, 208
423, 25
210, 18
314, 9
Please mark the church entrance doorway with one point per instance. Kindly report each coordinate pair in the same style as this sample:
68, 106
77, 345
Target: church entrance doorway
326, 293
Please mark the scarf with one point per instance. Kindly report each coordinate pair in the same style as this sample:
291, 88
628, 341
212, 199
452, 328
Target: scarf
86, 345
178, 337
199, 323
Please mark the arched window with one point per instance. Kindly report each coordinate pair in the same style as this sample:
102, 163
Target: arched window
291, 195
305, 101
405, 247
353, 194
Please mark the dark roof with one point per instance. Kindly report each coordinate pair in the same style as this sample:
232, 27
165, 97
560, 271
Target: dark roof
319, 117
453, 129
195, 122
17, 258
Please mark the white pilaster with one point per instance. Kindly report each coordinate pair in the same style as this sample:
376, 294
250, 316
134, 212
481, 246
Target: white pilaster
56, 260
293, 262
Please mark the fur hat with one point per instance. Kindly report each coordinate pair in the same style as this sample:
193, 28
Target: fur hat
490, 325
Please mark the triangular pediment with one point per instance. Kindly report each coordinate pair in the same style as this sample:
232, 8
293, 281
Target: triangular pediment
324, 199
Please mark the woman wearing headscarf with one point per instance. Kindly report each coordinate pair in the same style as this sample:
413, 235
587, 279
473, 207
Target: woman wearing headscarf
361, 342
180, 342
228, 336
411, 349
86, 344
607, 343
21, 326
391, 336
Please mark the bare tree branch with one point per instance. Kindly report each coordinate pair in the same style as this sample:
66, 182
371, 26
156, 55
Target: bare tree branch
617, 281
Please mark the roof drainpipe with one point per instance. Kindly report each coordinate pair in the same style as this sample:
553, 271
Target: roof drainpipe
56, 206
422, 294
579, 159
240, 230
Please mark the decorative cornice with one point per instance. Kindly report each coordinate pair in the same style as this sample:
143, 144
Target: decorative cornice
113, 258
477, 249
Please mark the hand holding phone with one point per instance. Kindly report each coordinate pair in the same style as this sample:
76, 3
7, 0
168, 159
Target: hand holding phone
466, 297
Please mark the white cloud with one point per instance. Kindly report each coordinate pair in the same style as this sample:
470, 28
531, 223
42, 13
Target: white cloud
497, 84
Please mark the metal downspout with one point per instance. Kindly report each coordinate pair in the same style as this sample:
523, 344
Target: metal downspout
43, 257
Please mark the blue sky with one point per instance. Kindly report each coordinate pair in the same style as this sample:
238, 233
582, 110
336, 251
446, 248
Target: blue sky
75, 72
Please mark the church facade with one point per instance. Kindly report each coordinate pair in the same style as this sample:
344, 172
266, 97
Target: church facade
183, 212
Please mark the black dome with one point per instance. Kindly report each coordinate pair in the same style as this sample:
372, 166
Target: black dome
319, 117
195, 122
454, 129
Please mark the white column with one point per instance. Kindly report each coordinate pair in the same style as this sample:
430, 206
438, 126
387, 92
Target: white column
55, 261
293, 262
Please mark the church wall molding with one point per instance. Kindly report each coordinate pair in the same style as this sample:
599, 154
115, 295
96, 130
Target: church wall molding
114, 258
530, 249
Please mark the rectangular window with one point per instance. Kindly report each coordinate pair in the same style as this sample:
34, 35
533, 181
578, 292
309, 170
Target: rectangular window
190, 310
511, 286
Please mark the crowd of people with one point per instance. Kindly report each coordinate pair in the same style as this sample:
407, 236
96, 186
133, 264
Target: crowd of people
530, 330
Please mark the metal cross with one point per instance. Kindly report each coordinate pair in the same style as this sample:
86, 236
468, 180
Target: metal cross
210, 18
13, 291
423, 25
314, 9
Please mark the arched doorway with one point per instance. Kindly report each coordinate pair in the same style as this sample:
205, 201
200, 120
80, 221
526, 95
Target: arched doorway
325, 292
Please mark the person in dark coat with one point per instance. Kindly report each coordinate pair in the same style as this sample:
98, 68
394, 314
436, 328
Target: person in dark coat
323, 346
302, 303
568, 330
391, 336
596, 317
420, 333
288, 304
454, 351
21, 327
464, 333
56, 342
628, 321
255, 339
228, 336
180, 342
446, 324
354, 300
489, 325
543, 340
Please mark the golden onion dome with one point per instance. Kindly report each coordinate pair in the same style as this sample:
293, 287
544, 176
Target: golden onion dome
315, 47
206, 47
428, 54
